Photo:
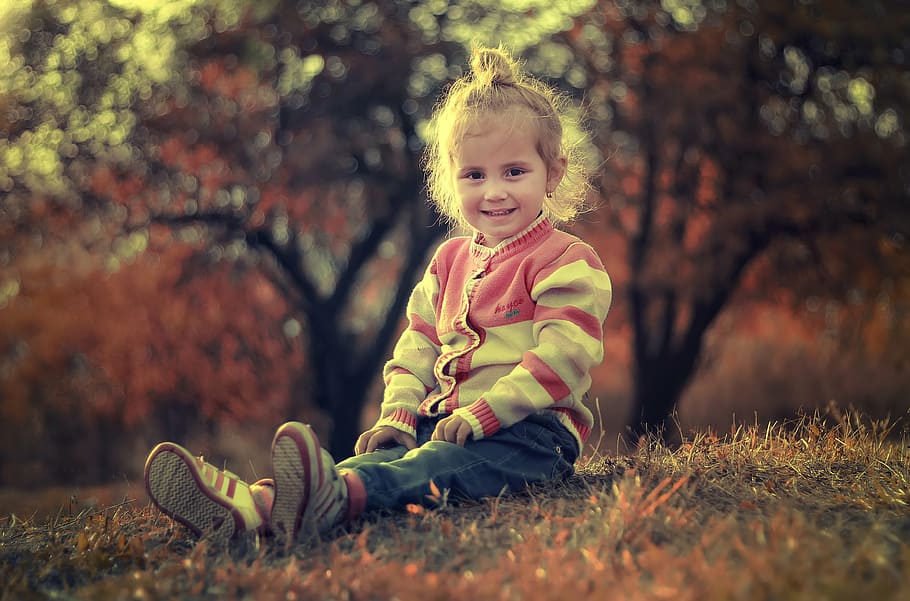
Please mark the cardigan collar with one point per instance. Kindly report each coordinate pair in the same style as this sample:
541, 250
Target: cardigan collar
521, 242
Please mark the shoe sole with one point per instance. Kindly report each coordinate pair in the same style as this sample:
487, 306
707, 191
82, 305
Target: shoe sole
175, 487
296, 460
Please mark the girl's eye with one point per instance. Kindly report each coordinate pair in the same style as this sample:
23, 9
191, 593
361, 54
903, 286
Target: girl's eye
473, 175
515, 172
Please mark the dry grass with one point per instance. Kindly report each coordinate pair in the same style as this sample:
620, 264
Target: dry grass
818, 508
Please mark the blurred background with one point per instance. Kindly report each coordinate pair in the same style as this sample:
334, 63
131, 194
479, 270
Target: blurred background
213, 212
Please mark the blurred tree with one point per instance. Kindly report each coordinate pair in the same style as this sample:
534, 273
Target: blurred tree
736, 132
92, 359
275, 137
311, 126
280, 142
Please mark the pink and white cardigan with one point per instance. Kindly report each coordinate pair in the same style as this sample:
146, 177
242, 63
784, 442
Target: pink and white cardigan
496, 334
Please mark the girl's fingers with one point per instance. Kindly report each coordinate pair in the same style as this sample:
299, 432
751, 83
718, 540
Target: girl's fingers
463, 433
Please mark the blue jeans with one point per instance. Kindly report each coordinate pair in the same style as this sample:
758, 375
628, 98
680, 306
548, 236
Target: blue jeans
536, 449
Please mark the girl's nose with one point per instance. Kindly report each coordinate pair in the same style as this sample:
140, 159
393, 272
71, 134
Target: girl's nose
494, 192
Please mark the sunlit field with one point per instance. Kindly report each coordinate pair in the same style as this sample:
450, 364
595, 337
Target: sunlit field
816, 508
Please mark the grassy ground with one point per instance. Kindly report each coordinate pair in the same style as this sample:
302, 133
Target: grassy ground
814, 509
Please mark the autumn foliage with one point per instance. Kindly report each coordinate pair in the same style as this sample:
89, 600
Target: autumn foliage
108, 356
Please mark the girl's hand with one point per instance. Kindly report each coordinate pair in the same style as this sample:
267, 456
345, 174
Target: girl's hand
376, 438
453, 429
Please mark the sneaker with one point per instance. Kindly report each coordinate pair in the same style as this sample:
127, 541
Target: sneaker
309, 492
210, 502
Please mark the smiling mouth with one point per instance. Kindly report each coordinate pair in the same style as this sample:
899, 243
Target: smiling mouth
498, 213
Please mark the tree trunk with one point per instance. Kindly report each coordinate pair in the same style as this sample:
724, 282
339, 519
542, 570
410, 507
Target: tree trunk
658, 384
344, 366
663, 369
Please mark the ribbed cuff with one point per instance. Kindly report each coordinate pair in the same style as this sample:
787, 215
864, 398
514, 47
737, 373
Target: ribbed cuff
480, 415
400, 419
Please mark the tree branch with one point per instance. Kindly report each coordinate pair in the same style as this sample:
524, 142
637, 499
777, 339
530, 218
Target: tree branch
361, 252
287, 256
423, 236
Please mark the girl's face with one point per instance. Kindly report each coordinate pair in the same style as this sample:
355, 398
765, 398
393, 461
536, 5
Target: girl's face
501, 180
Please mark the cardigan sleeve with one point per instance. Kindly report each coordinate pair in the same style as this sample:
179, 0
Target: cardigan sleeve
572, 296
408, 375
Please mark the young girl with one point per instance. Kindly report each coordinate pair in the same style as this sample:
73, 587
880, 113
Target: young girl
483, 393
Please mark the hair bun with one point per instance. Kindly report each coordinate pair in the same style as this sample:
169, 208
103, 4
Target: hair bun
493, 66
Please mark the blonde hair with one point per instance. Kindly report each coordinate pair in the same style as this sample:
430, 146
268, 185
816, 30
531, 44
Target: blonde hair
497, 85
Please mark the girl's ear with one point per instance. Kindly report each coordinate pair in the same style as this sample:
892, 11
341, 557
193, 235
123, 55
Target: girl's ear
555, 173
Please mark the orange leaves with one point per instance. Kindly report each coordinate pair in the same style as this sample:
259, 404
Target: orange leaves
106, 183
202, 161
136, 344
635, 509
82, 542
560, 539
104, 543
211, 74
235, 82
658, 496
436, 496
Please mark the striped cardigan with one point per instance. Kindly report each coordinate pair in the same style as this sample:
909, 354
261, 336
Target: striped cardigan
495, 335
